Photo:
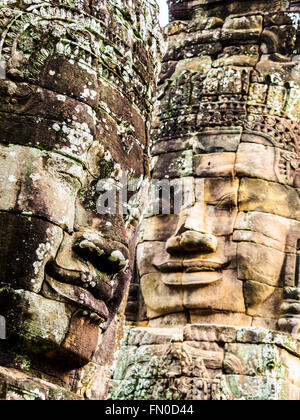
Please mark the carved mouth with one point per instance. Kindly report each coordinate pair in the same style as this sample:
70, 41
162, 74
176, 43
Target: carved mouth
98, 286
93, 287
102, 253
191, 272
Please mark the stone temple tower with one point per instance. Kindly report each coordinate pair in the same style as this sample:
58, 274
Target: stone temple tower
215, 305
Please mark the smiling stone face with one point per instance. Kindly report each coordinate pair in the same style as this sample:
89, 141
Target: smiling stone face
75, 102
222, 257
227, 131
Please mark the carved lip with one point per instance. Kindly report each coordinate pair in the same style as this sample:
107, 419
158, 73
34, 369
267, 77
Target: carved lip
87, 286
93, 283
87, 290
191, 279
190, 272
190, 266
79, 296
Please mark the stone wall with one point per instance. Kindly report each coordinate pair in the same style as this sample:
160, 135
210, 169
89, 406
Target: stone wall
201, 362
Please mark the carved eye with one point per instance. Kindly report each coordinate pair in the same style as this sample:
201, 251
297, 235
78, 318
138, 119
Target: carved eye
227, 202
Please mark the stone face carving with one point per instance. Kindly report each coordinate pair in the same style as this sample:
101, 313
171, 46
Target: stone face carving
227, 130
75, 108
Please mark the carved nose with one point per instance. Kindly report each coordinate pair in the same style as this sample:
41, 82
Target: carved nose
103, 255
192, 241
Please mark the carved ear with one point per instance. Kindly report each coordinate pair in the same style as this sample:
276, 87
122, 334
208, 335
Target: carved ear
136, 308
290, 308
270, 42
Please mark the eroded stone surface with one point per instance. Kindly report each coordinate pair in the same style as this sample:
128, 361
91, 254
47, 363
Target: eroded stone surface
201, 362
77, 90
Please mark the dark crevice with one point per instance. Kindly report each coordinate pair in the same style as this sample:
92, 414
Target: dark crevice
42, 218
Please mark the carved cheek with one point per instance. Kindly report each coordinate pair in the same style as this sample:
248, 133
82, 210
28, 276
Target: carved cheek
261, 243
26, 245
257, 262
150, 255
160, 299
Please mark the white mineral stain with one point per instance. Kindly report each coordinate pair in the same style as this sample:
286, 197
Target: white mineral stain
56, 127
35, 177
61, 98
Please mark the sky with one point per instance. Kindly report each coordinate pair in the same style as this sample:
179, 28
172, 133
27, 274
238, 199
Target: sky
164, 14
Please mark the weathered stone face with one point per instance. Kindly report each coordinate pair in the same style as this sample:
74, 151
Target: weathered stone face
75, 101
227, 129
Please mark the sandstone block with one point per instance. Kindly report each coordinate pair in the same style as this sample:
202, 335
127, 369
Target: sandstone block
221, 218
148, 254
209, 333
160, 299
20, 386
261, 360
251, 359
218, 190
269, 197
262, 300
32, 181
257, 238
38, 324
259, 263
269, 225
214, 165
174, 165
267, 323
158, 228
169, 321
216, 141
23, 258
256, 161
240, 387
154, 335
220, 318
173, 145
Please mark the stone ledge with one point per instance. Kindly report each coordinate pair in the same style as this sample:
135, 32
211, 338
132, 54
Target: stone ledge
207, 362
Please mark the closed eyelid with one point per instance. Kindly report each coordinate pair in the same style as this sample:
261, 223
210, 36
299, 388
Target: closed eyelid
227, 201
